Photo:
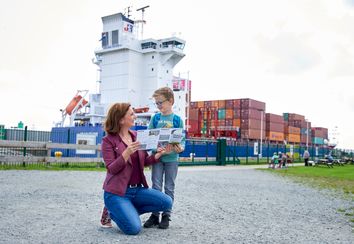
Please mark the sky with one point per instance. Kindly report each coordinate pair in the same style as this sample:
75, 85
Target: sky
297, 56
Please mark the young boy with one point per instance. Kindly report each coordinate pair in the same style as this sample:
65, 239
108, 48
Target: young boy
168, 165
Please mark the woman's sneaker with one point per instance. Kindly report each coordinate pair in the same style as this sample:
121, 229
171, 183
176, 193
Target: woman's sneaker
106, 221
152, 221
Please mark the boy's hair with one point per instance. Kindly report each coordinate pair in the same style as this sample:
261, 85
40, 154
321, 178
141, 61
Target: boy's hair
166, 92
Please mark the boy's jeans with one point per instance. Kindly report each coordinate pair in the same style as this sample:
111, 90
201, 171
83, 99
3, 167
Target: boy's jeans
125, 211
170, 170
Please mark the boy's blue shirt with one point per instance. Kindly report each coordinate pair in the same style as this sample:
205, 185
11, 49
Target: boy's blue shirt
166, 121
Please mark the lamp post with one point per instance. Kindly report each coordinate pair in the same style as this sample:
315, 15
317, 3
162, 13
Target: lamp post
260, 148
307, 134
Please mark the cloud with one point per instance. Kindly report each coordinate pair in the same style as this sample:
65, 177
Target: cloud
289, 53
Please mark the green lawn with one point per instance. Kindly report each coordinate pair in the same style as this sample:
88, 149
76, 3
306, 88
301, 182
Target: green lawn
338, 177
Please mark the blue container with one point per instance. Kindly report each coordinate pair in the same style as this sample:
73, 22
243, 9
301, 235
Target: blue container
318, 140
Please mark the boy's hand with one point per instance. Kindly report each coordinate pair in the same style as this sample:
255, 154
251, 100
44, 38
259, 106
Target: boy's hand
177, 148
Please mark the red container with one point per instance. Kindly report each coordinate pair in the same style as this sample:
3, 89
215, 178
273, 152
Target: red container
252, 134
229, 122
293, 116
252, 124
194, 105
274, 118
193, 114
251, 114
237, 113
275, 127
229, 104
207, 104
247, 103
194, 126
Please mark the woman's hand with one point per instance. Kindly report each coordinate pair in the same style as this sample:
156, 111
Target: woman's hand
131, 148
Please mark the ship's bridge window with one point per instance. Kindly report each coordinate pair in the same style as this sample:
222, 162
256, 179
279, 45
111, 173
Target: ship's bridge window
115, 38
173, 43
146, 45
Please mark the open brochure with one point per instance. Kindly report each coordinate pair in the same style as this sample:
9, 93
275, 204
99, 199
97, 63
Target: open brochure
154, 138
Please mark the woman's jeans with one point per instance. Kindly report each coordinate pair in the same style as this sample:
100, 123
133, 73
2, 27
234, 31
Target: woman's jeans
125, 211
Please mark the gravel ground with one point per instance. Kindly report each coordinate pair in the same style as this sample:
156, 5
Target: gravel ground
213, 205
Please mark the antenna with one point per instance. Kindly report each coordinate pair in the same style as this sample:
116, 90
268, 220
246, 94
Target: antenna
142, 21
127, 12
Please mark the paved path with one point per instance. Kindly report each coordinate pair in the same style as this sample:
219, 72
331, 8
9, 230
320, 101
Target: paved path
232, 204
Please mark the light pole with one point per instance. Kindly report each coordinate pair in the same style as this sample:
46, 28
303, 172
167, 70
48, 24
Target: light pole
307, 134
260, 148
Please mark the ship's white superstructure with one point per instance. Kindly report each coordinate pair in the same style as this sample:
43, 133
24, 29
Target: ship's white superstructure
131, 69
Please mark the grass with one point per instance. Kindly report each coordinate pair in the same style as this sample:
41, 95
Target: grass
338, 177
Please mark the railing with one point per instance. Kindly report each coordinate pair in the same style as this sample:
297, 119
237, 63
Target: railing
28, 152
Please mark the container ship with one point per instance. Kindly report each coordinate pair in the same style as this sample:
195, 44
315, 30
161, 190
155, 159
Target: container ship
131, 68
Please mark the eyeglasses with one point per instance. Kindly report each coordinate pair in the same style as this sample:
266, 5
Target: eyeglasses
159, 103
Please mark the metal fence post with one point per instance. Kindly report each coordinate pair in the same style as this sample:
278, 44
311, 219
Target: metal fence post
25, 149
221, 151
247, 153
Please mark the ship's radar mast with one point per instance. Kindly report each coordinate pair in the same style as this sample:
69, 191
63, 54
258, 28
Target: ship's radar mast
142, 21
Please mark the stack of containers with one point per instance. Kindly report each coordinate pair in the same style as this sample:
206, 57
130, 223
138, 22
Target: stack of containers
292, 129
251, 117
194, 122
232, 114
319, 134
274, 127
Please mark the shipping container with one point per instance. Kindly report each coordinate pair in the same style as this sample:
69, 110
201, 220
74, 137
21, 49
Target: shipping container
200, 104
215, 104
293, 116
237, 122
275, 136
221, 114
293, 138
274, 118
2, 132
194, 126
193, 114
252, 124
247, 103
194, 105
207, 104
229, 113
276, 127
252, 134
292, 130
252, 114
221, 104
237, 113
317, 140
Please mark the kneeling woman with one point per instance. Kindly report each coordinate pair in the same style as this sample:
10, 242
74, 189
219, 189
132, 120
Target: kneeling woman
126, 193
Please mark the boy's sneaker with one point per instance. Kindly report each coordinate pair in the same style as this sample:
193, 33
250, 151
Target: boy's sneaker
152, 221
165, 221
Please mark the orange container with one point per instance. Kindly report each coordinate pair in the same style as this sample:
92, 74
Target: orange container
275, 136
221, 104
200, 104
237, 122
293, 138
229, 113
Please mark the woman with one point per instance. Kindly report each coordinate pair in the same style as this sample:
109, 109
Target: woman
126, 193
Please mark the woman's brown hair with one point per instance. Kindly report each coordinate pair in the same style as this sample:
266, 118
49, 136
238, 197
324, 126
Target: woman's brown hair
115, 113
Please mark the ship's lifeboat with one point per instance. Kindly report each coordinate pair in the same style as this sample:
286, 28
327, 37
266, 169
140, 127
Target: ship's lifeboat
69, 109
141, 110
